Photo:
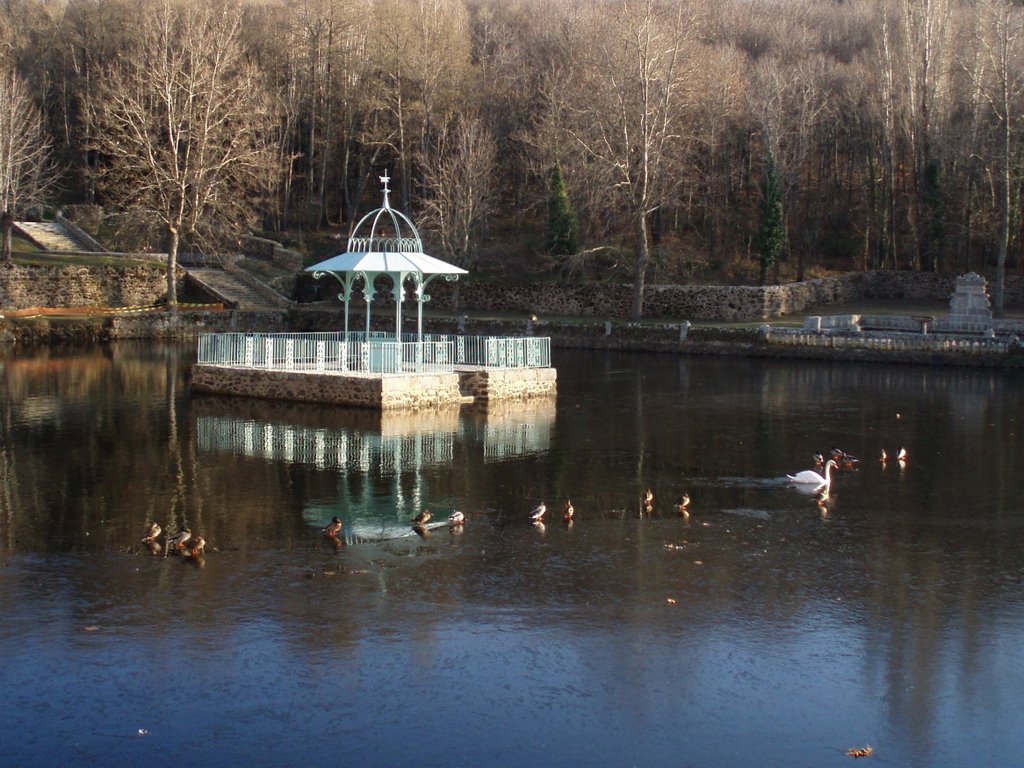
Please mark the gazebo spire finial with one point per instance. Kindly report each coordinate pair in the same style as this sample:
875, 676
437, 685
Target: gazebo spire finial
384, 180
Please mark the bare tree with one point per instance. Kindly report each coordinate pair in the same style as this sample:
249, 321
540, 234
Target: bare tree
625, 119
179, 123
461, 192
999, 75
786, 104
24, 154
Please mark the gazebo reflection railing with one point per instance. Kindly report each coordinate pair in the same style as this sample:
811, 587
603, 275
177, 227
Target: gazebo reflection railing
380, 353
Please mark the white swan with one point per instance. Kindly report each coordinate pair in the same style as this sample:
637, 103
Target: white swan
810, 477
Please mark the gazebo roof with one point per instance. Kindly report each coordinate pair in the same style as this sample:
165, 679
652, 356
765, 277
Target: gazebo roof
372, 252
385, 261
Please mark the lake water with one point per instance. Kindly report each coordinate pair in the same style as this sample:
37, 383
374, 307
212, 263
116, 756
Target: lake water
764, 630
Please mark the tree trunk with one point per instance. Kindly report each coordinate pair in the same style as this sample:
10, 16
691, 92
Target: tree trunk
642, 257
1004, 215
173, 239
7, 223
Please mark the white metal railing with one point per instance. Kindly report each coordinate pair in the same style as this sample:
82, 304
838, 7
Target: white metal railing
894, 341
378, 354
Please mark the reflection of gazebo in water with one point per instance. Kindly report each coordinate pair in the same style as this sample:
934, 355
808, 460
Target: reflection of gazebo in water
385, 464
386, 242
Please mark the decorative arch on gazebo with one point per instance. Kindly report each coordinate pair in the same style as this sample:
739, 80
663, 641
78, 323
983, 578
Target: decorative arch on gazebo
386, 242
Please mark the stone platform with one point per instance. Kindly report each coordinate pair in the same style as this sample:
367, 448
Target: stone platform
378, 391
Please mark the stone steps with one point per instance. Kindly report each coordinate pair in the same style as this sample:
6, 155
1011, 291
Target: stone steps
51, 236
231, 288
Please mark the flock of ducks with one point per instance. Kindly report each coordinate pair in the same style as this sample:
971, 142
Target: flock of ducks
819, 483
456, 520
190, 545
183, 543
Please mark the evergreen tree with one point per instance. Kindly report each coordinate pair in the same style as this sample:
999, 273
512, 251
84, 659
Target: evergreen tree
561, 230
771, 234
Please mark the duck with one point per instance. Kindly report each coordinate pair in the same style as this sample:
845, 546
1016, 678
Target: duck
422, 518
178, 540
153, 532
884, 457
648, 501
843, 459
819, 460
537, 513
901, 454
456, 518
195, 546
333, 528
809, 476
682, 505
568, 511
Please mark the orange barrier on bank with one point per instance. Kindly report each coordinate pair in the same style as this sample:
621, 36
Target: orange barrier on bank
29, 312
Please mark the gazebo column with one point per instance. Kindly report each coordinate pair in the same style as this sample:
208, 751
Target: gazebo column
368, 298
419, 307
399, 293
347, 296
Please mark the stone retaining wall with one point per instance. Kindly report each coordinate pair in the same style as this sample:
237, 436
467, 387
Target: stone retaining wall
64, 285
191, 324
703, 302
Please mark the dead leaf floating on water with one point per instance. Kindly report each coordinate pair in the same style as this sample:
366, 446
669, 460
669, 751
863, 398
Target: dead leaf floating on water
865, 751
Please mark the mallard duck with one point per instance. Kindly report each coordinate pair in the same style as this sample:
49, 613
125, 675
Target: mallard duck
683, 504
195, 546
178, 540
152, 533
843, 459
648, 501
884, 457
456, 518
333, 528
422, 518
568, 511
901, 454
538, 512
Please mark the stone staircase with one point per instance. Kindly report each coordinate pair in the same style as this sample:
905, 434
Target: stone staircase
51, 236
233, 289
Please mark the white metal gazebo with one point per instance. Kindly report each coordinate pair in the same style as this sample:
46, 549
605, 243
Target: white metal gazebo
386, 242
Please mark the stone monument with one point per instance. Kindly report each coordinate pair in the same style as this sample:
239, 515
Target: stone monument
969, 309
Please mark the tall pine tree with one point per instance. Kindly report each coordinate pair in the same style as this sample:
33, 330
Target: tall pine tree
771, 234
561, 230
